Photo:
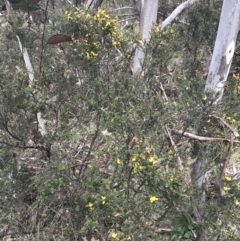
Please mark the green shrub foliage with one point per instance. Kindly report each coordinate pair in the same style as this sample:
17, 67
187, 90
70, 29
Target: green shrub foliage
113, 164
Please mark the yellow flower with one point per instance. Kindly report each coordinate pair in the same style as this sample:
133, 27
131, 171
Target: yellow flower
226, 188
148, 149
204, 97
90, 205
134, 159
137, 166
171, 179
128, 238
205, 129
153, 159
153, 199
114, 235
237, 203
228, 179
119, 161
103, 199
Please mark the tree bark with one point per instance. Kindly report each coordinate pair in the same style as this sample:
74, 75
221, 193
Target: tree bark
218, 72
148, 17
224, 48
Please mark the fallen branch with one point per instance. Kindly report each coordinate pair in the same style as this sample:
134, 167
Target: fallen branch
201, 138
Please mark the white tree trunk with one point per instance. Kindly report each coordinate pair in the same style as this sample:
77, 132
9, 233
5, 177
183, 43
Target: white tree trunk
41, 122
220, 64
217, 75
147, 18
224, 48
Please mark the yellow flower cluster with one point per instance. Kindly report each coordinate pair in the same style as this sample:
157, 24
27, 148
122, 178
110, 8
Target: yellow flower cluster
153, 199
157, 29
236, 76
90, 206
230, 119
99, 31
103, 199
106, 22
142, 160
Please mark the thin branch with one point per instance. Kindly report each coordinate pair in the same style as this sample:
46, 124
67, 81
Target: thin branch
175, 149
72, 4
122, 9
235, 133
42, 40
201, 138
229, 152
164, 93
127, 19
128, 14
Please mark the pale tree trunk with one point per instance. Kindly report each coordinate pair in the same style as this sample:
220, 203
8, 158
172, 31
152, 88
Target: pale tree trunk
148, 17
217, 76
224, 48
28, 64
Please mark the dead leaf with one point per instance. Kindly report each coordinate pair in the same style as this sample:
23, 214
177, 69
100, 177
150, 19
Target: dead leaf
59, 38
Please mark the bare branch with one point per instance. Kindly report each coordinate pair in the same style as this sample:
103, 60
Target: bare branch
176, 12
175, 149
201, 138
226, 124
228, 155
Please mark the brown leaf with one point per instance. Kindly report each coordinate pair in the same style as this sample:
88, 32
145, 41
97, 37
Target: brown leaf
59, 38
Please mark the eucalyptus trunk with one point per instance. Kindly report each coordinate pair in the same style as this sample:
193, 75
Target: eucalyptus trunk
218, 72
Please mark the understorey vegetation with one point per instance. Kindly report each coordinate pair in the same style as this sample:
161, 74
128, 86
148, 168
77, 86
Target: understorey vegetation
90, 150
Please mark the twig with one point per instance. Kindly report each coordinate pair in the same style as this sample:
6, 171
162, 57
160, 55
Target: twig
226, 124
164, 93
72, 4
42, 40
126, 19
122, 9
228, 155
196, 213
175, 149
201, 138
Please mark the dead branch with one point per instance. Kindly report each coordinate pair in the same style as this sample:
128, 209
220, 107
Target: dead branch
200, 138
164, 93
228, 155
175, 149
226, 124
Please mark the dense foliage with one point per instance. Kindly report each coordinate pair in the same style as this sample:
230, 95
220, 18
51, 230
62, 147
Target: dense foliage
114, 164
